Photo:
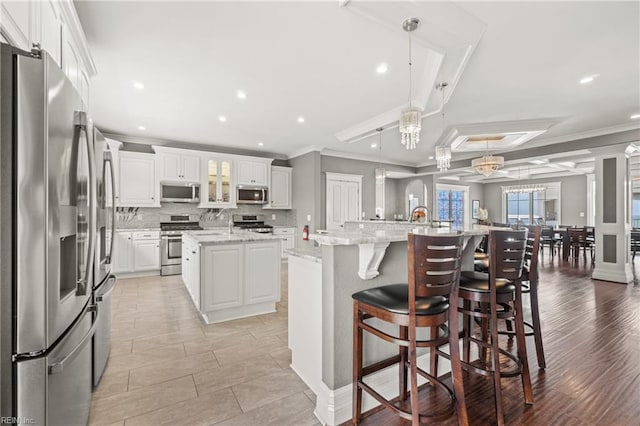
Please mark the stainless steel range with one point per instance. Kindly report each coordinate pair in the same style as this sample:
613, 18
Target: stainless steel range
253, 223
171, 243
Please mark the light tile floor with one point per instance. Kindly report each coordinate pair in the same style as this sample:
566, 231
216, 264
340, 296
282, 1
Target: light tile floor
167, 367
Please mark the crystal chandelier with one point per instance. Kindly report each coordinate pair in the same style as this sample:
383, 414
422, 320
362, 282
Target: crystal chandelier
411, 117
443, 152
380, 172
443, 157
488, 164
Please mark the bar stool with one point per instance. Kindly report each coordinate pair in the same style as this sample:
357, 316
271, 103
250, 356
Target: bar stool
428, 300
530, 286
499, 295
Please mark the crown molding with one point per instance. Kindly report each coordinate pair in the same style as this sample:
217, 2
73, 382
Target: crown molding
362, 157
303, 151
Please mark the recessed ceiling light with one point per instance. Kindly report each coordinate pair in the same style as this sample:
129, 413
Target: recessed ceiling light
260, 144
222, 118
382, 68
589, 78
241, 95
374, 145
431, 157
635, 116
142, 128
138, 85
301, 120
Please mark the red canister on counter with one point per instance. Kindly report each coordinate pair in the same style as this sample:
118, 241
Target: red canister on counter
305, 233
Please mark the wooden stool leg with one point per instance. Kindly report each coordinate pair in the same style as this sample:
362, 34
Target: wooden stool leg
484, 326
413, 365
456, 366
466, 323
404, 335
357, 364
433, 353
495, 352
537, 332
522, 348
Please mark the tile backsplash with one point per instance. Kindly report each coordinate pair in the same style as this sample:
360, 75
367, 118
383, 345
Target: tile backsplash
146, 217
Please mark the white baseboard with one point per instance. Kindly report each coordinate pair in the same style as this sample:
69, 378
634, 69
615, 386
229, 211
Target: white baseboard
334, 407
616, 274
125, 275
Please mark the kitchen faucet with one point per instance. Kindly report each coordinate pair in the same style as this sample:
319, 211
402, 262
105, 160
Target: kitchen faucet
230, 219
421, 207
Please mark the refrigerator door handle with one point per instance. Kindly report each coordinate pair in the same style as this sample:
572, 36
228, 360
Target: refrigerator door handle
109, 159
80, 122
109, 288
58, 366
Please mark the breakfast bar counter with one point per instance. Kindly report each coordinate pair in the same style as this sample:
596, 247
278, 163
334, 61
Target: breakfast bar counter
321, 309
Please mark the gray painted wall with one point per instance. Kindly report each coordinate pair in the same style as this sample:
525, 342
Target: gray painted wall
573, 199
306, 192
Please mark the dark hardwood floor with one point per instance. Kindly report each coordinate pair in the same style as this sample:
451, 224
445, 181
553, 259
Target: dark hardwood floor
591, 333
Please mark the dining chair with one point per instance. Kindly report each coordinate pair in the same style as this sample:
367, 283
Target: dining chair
547, 239
498, 295
428, 301
635, 244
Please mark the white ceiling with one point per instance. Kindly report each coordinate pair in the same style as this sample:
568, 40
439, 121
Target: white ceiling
505, 62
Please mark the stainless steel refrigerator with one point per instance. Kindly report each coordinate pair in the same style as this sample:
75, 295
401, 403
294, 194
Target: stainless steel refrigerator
48, 235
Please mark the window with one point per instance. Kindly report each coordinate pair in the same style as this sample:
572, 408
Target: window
451, 206
529, 207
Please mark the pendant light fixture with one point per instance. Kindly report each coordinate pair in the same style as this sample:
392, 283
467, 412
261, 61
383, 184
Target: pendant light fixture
410, 119
380, 172
443, 152
488, 164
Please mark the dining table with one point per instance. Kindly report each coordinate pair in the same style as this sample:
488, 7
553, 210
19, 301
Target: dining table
563, 235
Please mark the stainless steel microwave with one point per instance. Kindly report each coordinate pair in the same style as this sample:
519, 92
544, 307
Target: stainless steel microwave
180, 192
252, 194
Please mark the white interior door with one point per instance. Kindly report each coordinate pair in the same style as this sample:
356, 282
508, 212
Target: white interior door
344, 198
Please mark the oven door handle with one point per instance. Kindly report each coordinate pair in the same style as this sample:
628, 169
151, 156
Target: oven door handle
172, 239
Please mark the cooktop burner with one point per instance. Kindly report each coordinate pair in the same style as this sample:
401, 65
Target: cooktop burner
180, 226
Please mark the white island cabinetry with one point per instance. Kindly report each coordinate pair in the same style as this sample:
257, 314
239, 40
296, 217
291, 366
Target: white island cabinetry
231, 276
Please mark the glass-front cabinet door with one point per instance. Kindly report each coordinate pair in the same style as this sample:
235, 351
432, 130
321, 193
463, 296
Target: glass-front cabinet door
219, 183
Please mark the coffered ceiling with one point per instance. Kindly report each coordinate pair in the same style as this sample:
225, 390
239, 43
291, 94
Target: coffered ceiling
506, 62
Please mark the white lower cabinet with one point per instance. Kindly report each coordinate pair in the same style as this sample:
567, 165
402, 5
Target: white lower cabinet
222, 272
228, 281
146, 255
288, 236
122, 252
136, 251
191, 269
261, 272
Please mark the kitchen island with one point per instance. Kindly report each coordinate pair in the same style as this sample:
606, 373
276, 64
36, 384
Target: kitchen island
231, 275
320, 310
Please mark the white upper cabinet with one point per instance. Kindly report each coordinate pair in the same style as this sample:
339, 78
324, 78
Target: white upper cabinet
254, 172
19, 22
280, 197
178, 165
138, 184
51, 30
54, 25
217, 182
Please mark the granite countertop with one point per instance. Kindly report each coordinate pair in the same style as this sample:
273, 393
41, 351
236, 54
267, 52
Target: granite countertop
313, 254
223, 236
124, 228
337, 238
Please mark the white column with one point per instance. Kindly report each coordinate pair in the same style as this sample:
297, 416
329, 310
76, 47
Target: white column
613, 217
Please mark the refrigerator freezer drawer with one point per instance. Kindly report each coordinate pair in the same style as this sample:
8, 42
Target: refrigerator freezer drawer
68, 392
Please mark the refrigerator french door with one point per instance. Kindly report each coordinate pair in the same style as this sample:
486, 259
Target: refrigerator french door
104, 282
47, 228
